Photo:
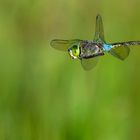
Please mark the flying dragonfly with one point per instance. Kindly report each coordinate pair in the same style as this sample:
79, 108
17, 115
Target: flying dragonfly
88, 52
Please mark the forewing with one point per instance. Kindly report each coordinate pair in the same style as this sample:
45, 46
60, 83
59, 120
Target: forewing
120, 52
63, 45
99, 30
90, 63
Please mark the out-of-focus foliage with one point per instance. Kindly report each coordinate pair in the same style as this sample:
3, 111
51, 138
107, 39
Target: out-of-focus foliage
46, 96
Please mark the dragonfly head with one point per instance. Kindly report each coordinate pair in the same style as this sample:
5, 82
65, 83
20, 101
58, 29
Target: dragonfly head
74, 51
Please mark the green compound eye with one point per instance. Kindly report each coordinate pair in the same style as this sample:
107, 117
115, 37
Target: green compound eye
75, 50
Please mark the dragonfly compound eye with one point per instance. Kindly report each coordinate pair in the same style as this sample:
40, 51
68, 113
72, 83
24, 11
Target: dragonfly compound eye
74, 51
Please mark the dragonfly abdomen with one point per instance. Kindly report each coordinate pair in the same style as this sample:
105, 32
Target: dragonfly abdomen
129, 43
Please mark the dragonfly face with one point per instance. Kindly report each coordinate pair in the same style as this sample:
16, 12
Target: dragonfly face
74, 51
85, 50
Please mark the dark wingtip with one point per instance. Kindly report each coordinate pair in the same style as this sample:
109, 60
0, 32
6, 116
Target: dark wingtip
98, 16
52, 42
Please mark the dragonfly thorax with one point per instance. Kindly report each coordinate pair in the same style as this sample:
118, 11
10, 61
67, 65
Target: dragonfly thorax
90, 49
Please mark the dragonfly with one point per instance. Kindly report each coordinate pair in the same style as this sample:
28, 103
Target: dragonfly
89, 51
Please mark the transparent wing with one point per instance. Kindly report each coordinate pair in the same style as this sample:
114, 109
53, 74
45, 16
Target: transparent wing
99, 30
90, 63
63, 45
121, 50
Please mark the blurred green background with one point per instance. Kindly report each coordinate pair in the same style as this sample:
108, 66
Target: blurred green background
44, 95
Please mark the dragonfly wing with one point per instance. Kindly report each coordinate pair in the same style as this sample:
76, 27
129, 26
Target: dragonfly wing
63, 45
99, 30
90, 63
120, 52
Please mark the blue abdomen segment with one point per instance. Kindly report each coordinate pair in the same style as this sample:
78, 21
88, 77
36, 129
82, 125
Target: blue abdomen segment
107, 47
